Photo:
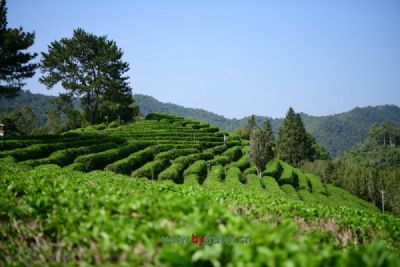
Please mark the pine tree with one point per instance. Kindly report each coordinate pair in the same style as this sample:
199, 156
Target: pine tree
293, 143
251, 123
260, 148
269, 133
90, 67
14, 63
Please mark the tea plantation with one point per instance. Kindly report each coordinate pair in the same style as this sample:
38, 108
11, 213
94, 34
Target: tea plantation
128, 195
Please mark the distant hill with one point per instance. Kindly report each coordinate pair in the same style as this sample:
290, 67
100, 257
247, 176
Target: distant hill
338, 133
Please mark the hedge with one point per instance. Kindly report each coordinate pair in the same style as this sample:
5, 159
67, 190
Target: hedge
198, 168
216, 175
97, 161
288, 176
173, 172
137, 159
67, 156
271, 186
233, 153
174, 153
316, 185
150, 169
233, 177
273, 169
243, 163
290, 191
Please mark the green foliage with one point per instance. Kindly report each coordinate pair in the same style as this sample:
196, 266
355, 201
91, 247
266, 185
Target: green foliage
260, 148
294, 145
90, 66
173, 172
288, 175
135, 160
316, 185
273, 169
290, 192
102, 218
150, 169
100, 160
198, 168
271, 186
14, 61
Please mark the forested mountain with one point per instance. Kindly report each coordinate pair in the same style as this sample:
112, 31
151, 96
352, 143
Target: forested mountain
338, 133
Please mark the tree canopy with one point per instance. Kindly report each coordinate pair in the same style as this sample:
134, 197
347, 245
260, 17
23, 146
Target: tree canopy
91, 67
261, 143
294, 145
14, 62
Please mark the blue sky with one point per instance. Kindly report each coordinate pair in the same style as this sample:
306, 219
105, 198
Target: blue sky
237, 58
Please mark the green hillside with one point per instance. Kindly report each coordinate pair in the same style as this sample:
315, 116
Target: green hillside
141, 194
338, 133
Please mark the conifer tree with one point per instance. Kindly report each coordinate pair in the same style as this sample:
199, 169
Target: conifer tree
14, 62
260, 148
293, 143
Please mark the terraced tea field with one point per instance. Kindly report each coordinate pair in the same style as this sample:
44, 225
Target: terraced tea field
129, 195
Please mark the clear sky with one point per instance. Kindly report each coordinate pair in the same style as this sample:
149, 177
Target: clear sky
238, 58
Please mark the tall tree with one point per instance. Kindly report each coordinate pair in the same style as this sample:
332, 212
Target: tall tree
14, 63
91, 68
293, 143
269, 132
260, 148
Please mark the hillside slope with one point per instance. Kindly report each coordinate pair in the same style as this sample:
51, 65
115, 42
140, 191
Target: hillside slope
169, 181
338, 133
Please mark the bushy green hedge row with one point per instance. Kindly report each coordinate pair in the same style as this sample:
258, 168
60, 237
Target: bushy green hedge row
250, 170
271, 186
97, 161
67, 156
288, 176
173, 172
150, 169
243, 163
44, 150
137, 159
254, 182
189, 159
192, 180
215, 177
211, 129
219, 160
316, 185
174, 153
290, 191
198, 168
273, 169
233, 177
233, 153
303, 182
160, 116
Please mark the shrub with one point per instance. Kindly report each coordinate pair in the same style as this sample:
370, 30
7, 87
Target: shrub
219, 160
198, 168
273, 169
67, 156
303, 180
100, 160
189, 159
288, 175
233, 177
216, 175
316, 185
290, 191
137, 159
173, 172
174, 153
271, 186
233, 153
150, 169
243, 163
